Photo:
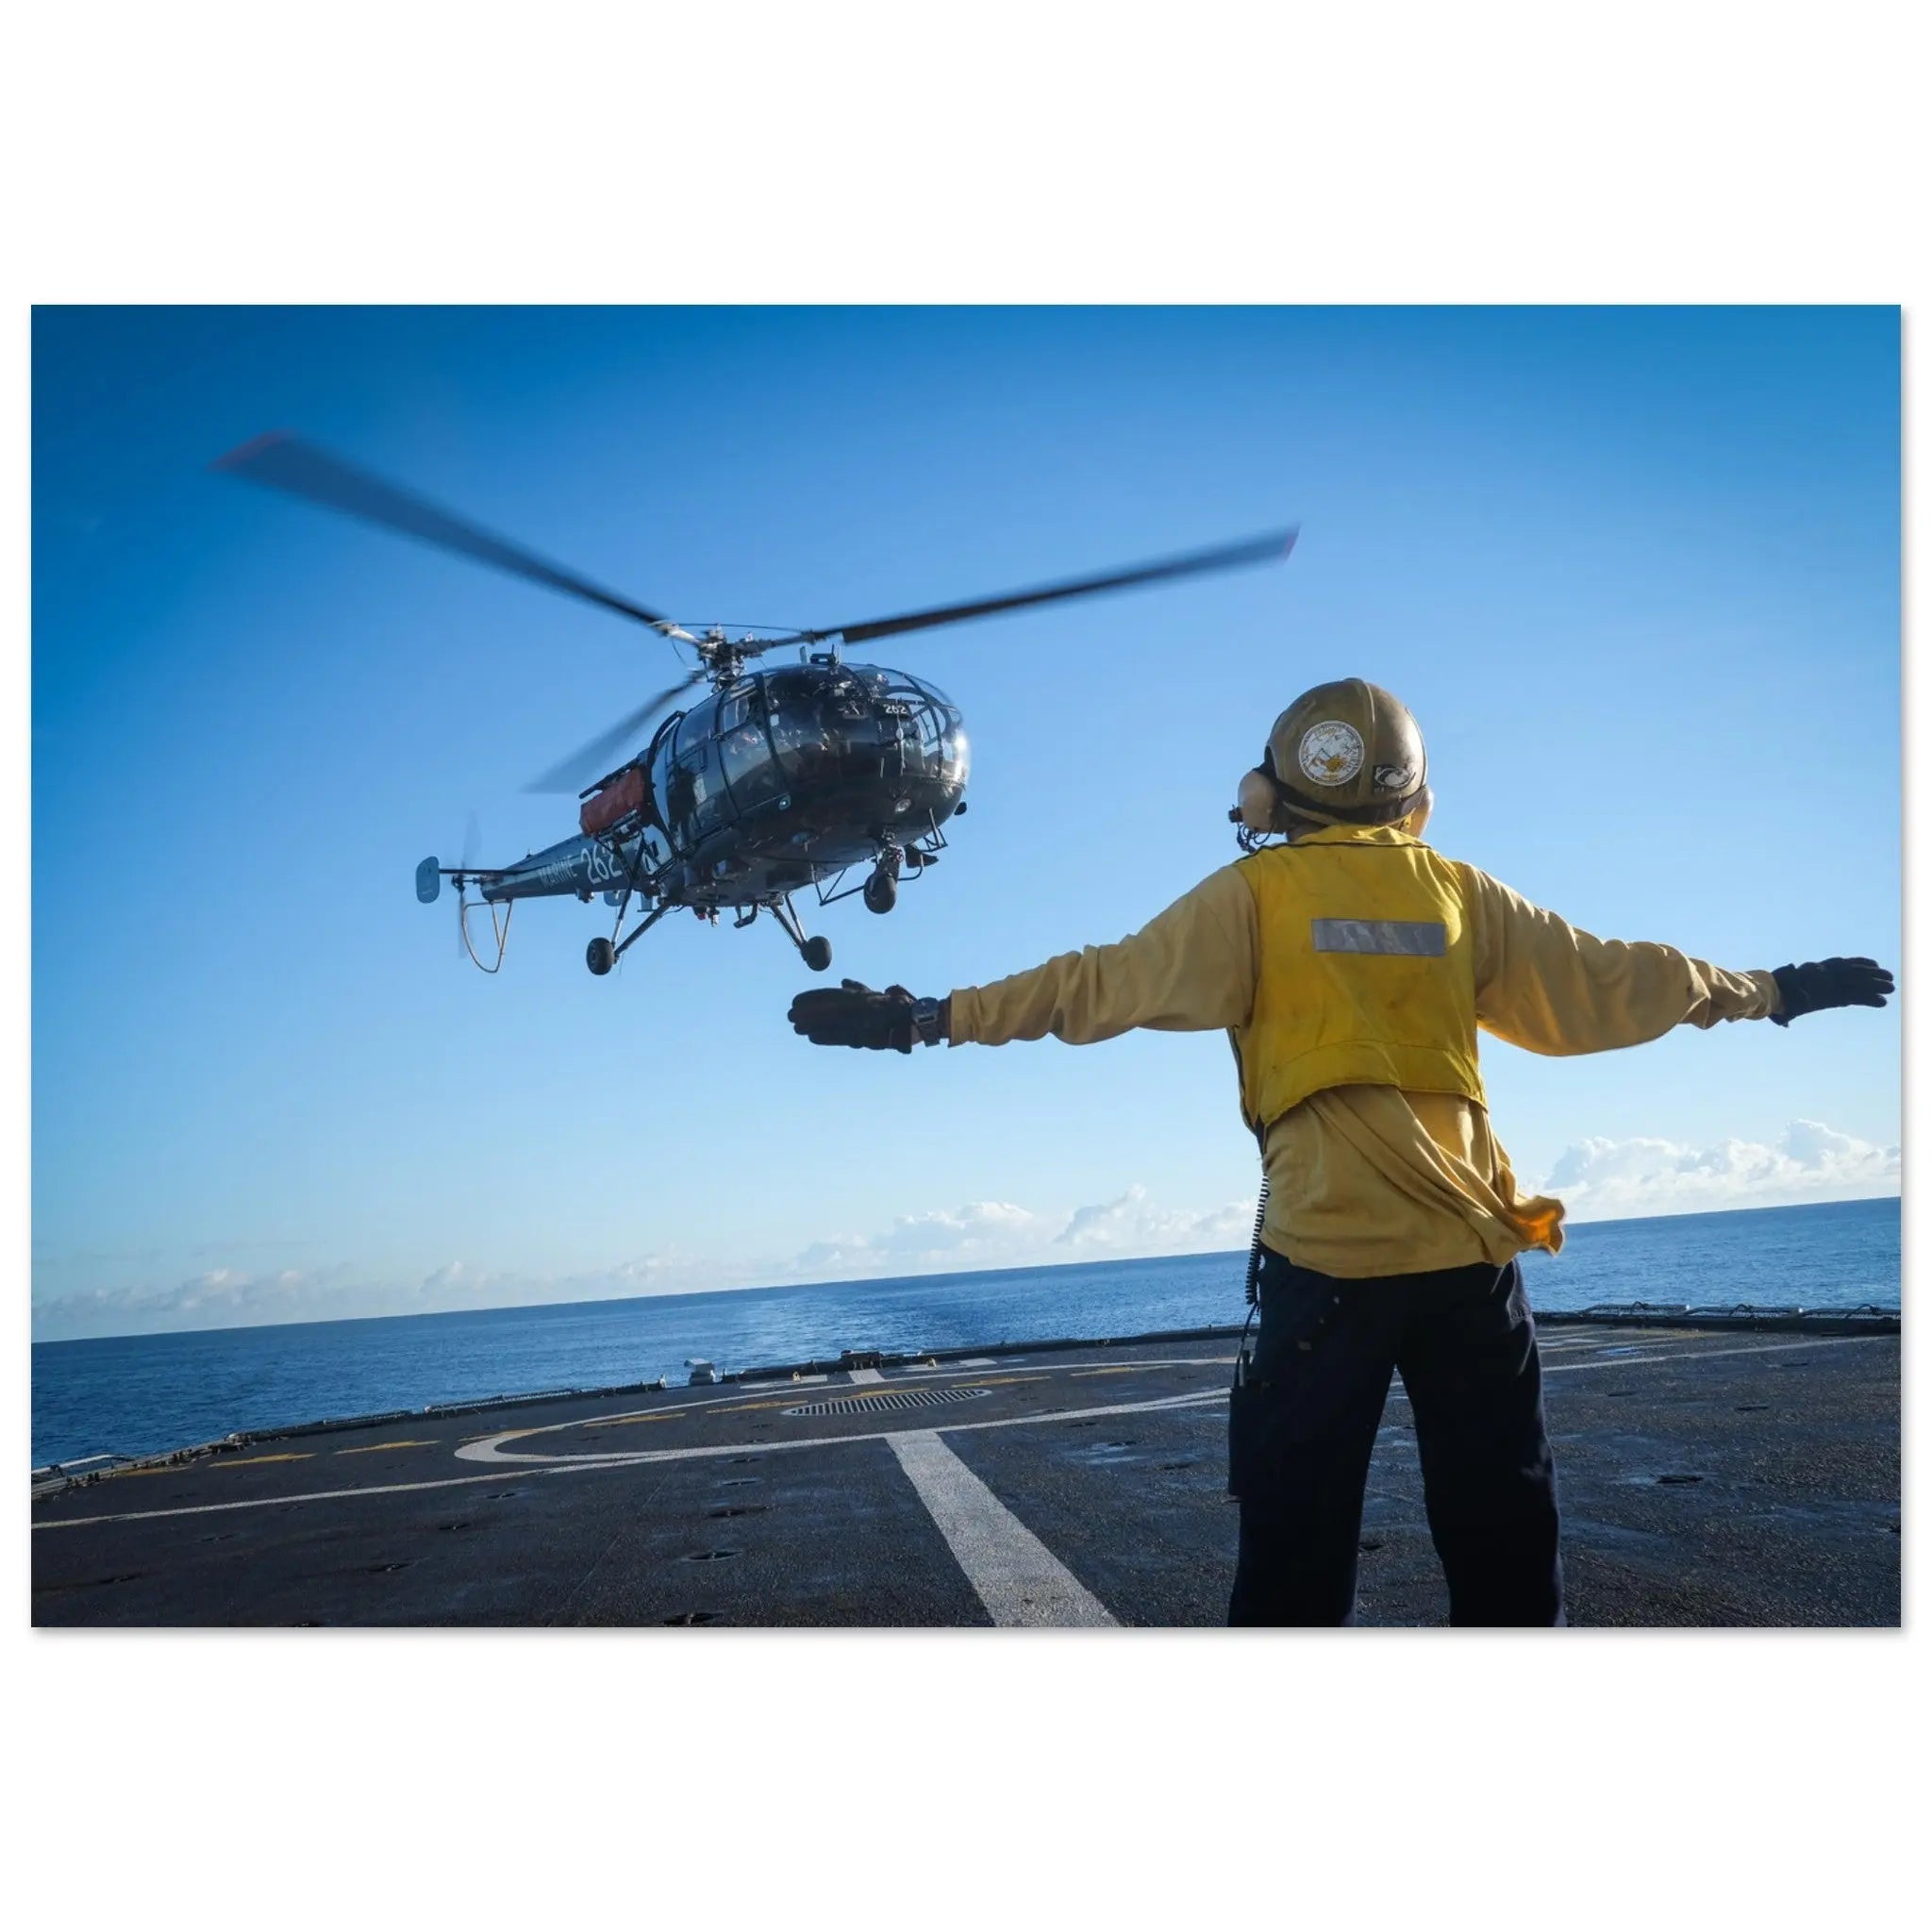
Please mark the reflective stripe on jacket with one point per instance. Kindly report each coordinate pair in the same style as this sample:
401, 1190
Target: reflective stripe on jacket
1366, 972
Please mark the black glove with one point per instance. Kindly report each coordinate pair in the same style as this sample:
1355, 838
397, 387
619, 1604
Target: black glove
1822, 983
851, 1014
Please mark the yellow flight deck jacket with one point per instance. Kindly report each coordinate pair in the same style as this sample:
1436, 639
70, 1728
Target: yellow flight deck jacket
1364, 1177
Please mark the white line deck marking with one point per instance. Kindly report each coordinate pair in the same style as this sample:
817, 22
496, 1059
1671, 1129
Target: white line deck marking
1705, 1355
1014, 1575
867, 1375
441, 1482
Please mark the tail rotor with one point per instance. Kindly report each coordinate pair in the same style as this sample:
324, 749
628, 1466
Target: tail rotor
471, 856
466, 871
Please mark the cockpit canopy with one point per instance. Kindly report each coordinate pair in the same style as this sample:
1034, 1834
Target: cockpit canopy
889, 745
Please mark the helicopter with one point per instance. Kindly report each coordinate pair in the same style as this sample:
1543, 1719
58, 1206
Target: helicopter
781, 778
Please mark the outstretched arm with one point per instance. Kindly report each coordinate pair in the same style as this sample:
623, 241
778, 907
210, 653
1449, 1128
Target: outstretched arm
1189, 969
1548, 985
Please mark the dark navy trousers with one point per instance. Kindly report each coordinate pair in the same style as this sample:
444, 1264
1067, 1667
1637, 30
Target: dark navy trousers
1300, 1439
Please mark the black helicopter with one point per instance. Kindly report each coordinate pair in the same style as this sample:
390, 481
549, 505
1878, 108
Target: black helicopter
780, 779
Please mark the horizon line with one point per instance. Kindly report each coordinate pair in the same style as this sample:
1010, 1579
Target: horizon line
868, 1280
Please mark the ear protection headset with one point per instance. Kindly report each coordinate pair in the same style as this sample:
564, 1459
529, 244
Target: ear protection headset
1266, 808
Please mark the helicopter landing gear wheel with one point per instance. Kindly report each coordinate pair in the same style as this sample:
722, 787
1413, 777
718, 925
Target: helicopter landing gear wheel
600, 955
816, 953
882, 888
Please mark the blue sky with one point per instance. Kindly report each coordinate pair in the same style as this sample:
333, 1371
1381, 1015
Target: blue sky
1636, 572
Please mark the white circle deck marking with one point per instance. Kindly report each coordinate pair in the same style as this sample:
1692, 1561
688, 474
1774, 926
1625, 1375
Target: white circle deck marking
491, 1450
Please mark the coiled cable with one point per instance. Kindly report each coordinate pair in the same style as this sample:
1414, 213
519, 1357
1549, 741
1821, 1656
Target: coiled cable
1254, 1246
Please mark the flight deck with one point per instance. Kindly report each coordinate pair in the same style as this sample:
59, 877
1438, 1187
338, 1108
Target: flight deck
1710, 1475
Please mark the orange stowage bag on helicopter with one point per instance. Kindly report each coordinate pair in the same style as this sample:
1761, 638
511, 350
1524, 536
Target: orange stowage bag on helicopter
617, 800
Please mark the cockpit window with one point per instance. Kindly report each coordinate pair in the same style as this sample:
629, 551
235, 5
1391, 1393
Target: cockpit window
750, 769
807, 744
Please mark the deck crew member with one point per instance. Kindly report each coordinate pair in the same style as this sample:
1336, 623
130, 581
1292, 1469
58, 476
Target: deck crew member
1353, 965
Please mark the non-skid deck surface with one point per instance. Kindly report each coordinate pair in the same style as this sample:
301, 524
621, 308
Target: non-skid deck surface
1707, 1477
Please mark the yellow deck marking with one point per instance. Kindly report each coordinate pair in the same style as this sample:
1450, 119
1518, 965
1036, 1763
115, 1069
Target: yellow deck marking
370, 1448
227, 1462
620, 1422
1101, 1372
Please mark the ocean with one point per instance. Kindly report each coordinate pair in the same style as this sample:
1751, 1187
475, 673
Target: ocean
135, 1395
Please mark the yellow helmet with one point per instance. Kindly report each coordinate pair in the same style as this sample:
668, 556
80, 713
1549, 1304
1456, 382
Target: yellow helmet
1343, 753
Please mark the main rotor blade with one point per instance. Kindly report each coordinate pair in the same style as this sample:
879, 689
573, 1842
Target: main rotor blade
286, 462
1224, 556
593, 759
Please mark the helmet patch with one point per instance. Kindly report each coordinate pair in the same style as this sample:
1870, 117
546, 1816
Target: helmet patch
1394, 778
1331, 751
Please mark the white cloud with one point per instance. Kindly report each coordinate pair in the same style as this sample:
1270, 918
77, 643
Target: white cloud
1602, 1179
977, 1235
235, 1298
1133, 1226
220, 1298
981, 1233
997, 1234
1597, 1178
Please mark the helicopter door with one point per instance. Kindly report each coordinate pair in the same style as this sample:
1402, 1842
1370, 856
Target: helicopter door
710, 806
745, 754
696, 803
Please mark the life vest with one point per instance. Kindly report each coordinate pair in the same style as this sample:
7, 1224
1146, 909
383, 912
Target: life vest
1366, 972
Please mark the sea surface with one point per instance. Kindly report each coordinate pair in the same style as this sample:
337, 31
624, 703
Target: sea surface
134, 1395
